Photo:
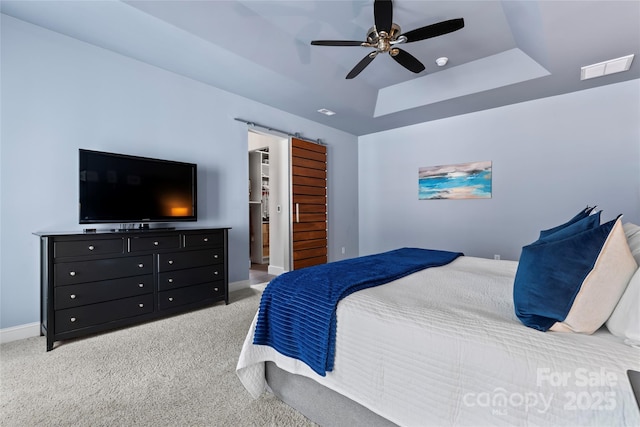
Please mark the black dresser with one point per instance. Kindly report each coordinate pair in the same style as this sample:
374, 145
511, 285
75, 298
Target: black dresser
93, 282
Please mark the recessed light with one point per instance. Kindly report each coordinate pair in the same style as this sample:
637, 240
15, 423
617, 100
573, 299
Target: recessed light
326, 112
607, 67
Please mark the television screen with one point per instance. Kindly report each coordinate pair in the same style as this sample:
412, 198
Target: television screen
118, 188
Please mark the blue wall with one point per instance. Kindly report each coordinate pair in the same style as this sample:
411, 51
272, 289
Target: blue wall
60, 94
551, 157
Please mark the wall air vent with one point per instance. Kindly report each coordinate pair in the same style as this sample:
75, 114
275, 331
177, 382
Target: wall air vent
607, 67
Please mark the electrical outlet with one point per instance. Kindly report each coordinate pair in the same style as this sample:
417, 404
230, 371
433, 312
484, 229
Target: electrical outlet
343, 250
496, 256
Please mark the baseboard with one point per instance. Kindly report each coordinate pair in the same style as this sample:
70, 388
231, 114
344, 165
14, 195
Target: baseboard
19, 332
241, 284
276, 271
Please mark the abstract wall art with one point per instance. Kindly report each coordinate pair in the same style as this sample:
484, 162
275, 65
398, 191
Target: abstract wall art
460, 181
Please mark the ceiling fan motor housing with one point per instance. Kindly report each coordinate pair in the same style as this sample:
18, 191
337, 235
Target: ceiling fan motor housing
382, 41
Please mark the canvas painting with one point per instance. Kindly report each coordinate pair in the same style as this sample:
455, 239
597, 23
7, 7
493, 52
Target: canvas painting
461, 181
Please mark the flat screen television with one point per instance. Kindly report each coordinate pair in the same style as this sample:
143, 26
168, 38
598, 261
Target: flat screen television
118, 188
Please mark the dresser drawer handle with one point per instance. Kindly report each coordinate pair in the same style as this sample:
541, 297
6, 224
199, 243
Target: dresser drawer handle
72, 273
141, 285
206, 239
140, 305
215, 256
73, 319
156, 243
140, 265
91, 247
170, 262
72, 296
215, 273
170, 299
170, 280
216, 289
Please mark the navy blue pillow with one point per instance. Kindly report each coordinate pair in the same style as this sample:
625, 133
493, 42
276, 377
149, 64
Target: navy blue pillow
580, 215
587, 223
551, 271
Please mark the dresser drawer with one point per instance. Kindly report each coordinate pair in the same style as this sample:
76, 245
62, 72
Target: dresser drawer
189, 259
105, 290
69, 273
192, 276
88, 247
152, 243
96, 314
190, 294
212, 239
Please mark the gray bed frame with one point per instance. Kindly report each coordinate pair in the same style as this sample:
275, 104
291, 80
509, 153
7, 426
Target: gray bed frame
321, 405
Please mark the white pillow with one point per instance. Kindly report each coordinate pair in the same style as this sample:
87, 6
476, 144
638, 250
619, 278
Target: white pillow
625, 319
603, 287
632, 232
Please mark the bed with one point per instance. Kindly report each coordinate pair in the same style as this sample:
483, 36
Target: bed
443, 346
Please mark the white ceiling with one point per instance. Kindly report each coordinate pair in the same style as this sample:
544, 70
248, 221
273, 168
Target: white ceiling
509, 51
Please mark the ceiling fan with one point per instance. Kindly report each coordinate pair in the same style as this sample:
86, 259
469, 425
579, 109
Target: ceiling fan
385, 35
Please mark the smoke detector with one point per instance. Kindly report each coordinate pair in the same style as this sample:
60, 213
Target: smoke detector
442, 61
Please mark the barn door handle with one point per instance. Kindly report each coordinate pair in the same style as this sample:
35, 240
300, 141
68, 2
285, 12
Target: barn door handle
297, 212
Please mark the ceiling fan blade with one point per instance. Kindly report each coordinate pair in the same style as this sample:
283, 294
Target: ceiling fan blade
336, 43
383, 15
408, 61
434, 30
361, 65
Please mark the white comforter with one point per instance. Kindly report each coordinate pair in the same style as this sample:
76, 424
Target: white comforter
443, 347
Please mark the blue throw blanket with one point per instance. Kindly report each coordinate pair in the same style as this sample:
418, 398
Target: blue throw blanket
297, 314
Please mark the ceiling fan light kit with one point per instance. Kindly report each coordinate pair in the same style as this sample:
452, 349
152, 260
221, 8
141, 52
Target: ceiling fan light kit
385, 35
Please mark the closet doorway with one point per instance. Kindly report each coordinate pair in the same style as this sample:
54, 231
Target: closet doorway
269, 206
287, 205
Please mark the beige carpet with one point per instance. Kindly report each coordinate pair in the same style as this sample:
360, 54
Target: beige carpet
178, 371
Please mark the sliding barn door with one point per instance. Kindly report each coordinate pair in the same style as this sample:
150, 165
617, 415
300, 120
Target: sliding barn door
309, 203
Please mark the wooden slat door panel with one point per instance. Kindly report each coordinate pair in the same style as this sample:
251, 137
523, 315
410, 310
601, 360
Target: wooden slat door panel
314, 209
312, 217
309, 244
310, 191
309, 200
309, 262
311, 173
304, 181
309, 203
301, 152
308, 226
309, 235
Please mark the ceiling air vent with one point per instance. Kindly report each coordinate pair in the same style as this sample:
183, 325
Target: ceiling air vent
607, 67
